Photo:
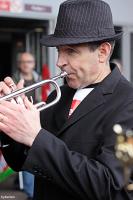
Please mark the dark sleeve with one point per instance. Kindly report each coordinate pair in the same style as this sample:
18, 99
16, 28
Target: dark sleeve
99, 178
14, 152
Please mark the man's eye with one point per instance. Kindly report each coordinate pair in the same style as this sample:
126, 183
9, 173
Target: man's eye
71, 51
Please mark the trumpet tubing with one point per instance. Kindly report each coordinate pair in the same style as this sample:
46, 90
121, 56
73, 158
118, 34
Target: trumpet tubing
42, 105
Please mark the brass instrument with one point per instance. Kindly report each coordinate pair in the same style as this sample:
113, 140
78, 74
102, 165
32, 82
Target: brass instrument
41, 105
124, 151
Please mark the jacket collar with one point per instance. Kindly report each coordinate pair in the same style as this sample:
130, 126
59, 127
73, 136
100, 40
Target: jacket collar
109, 83
93, 100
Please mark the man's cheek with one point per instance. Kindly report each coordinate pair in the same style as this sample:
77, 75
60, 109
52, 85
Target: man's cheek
91, 71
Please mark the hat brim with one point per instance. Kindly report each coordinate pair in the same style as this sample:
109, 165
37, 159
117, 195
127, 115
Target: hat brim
53, 41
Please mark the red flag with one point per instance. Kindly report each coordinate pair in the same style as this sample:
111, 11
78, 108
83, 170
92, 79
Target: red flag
46, 87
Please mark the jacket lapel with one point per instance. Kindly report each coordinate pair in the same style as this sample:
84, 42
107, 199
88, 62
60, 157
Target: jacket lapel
93, 100
63, 108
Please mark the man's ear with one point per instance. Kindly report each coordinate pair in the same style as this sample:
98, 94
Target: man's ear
104, 52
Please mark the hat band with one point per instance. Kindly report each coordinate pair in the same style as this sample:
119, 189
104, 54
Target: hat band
85, 33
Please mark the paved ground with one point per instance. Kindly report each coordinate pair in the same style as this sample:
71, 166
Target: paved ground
7, 191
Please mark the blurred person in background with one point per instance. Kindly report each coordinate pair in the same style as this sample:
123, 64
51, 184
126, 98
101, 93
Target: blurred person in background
26, 71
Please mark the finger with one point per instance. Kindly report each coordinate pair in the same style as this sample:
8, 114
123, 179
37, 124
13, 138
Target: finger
20, 84
3, 119
4, 89
6, 107
20, 101
28, 104
9, 82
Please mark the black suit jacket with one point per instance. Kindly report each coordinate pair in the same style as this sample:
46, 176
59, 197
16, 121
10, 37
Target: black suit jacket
74, 158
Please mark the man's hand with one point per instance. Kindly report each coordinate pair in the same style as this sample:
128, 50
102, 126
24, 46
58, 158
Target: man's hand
4, 87
8, 85
20, 123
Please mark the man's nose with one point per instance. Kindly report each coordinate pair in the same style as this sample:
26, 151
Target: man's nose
61, 61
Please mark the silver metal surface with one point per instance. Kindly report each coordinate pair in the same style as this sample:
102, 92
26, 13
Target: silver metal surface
42, 105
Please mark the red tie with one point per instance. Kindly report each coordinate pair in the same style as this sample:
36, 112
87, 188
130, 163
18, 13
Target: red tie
74, 105
78, 98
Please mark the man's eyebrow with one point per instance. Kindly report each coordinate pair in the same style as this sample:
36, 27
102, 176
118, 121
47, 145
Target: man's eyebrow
71, 46
66, 46
74, 47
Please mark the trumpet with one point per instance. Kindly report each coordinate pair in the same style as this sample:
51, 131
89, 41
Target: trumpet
41, 105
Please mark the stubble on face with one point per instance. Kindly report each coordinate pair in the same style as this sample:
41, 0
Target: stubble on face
80, 63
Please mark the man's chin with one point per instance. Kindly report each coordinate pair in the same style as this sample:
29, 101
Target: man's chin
73, 84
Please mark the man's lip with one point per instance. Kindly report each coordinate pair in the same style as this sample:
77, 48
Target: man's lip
70, 74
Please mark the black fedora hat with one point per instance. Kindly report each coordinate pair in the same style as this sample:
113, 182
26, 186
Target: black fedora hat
82, 21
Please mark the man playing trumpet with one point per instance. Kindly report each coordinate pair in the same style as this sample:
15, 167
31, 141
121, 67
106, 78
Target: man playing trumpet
71, 151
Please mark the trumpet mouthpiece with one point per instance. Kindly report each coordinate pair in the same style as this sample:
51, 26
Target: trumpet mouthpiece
63, 74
